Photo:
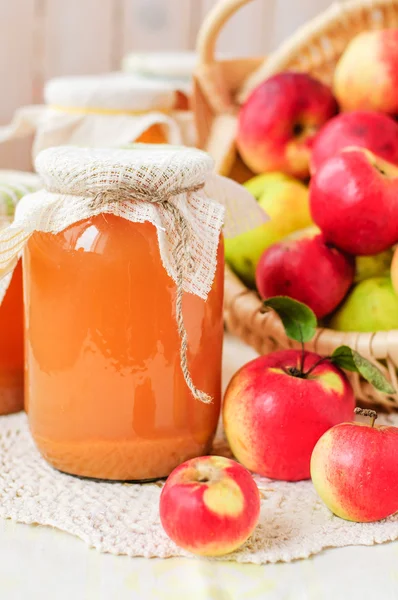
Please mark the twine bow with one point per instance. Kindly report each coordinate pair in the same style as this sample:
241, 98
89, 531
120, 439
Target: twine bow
181, 253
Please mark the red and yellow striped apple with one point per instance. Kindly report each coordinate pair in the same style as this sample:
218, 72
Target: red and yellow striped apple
209, 505
304, 267
278, 406
366, 76
354, 201
279, 120
365, 129
354, 468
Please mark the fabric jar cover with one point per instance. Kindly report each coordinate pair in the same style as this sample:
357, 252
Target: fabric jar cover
171, 187
172, 68
101, 110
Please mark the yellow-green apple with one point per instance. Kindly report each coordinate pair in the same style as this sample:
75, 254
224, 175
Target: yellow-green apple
285, 200
276, 408
354, 469
394, 271
372, 305
266, 184
365, 129
209, 505
354, 201
366, 76
373, 266
304, 267
279, 120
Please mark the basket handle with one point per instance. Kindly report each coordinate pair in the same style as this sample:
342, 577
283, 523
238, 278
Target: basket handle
212, 26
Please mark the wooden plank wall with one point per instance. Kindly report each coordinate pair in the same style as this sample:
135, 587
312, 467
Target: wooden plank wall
40, 39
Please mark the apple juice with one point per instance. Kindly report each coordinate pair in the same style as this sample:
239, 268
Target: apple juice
107, 396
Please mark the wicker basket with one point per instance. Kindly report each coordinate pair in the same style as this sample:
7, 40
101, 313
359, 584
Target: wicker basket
220, 86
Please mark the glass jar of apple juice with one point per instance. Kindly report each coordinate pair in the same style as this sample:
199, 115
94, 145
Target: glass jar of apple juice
123, 282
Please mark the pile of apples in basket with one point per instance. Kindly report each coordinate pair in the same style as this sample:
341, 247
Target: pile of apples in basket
342, 228
327, 252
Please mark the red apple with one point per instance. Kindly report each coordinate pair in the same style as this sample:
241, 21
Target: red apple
366, 129
209, 505
354, 201
354, 468
366, 76
276, 409
304, 267
279, 120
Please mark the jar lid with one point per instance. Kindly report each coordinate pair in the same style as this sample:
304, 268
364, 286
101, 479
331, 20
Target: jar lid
13, 186
157, 169
110, 91
169, 65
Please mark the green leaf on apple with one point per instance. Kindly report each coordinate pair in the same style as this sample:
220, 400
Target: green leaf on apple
298, 319
347, 358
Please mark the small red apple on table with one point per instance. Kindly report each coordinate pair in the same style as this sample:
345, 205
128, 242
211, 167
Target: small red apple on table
209, 505
354, 468
306, 268
279, 120
278, 406
365, 129
354, 201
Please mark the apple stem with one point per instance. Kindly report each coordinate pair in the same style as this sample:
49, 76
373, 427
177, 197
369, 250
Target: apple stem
367, 412
315, 365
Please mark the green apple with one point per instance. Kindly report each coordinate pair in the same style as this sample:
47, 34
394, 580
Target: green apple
285, 200
372, 305
373, 266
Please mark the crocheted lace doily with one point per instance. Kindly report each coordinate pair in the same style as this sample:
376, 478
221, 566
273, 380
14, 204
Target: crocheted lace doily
123, 518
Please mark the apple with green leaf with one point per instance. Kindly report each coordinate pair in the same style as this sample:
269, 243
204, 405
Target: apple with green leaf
277, 407
354, 469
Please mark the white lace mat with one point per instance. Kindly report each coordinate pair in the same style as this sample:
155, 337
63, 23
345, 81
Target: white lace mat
124, 519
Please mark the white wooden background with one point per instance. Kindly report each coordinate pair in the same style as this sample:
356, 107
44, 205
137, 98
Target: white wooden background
44, 38
40, 39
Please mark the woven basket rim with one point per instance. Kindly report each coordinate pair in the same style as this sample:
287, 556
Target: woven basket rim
230, 273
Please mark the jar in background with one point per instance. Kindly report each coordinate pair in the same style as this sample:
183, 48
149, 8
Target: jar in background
13, 186
107, 110
174, 69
